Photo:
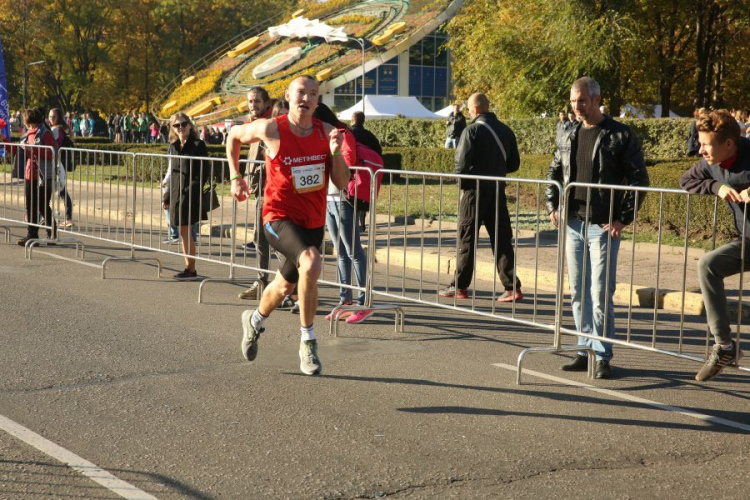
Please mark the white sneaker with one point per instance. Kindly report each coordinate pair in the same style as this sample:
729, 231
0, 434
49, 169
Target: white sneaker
309, 364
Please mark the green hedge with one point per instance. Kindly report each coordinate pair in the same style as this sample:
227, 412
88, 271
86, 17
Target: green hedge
661, 138
662, 173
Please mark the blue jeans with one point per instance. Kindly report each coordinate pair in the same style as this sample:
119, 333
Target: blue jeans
591, 288
341, 225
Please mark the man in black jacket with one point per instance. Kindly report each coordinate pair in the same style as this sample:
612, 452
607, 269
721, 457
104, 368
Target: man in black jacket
363, 135
596, 150
724, 171
487, 148
456, 124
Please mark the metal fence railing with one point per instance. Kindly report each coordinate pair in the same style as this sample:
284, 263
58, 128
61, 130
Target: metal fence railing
420, 234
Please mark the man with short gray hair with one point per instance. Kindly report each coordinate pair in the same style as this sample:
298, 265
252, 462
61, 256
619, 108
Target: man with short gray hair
596, 150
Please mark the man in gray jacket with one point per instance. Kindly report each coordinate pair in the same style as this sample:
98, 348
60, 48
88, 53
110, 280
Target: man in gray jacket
596, 150
488, 148
724, 171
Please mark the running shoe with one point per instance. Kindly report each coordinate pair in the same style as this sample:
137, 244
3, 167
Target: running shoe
359, 316
452, 291
249, 336
343, 315
287, 304
717, 361
309, 364
509, 296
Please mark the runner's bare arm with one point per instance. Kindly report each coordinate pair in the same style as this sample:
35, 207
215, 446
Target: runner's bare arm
340, 171
243, 134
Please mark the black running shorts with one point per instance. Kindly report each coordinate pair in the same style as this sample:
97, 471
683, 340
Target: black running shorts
290, 240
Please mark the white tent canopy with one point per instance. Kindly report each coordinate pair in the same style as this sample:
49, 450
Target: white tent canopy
446, 111
378, 107
631, 111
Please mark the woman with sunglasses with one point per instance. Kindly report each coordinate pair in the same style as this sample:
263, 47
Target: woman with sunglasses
188, 174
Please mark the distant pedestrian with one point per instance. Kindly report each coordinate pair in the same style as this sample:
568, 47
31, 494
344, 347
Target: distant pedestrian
456, 124
487, 147
183, 199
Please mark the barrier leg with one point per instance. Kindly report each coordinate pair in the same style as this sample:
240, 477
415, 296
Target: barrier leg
522, 355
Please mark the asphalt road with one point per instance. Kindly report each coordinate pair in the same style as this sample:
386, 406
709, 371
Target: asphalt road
146, 388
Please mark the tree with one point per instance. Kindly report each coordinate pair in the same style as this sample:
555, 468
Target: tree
525, 55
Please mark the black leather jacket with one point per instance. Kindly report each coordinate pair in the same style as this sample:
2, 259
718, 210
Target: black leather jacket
619, 158
479, 154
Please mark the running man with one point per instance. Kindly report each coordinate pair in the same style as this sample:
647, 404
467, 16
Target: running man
302, 153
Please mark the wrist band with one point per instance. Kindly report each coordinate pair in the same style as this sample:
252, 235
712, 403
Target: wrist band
337, 153
235, 176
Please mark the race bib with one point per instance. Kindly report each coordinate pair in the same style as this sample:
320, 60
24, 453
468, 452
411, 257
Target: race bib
309, 177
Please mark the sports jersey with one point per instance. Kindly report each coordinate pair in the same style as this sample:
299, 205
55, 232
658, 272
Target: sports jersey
297, 177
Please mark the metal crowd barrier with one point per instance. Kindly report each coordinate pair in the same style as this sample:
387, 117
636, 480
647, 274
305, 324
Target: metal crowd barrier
416, 214
117, 198
684, 343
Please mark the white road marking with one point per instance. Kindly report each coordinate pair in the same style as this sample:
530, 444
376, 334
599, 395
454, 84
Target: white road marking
97, 474
635, 399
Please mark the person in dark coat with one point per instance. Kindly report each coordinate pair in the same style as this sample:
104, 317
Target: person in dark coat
187, 177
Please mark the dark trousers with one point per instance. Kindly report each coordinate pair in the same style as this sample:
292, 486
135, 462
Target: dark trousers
38, 203
493, 214
713, 267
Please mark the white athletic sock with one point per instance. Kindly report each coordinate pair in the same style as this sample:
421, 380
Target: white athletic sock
257, 319
727, 347
307, 332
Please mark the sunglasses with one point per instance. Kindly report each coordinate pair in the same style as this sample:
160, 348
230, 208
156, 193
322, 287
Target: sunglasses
180, 125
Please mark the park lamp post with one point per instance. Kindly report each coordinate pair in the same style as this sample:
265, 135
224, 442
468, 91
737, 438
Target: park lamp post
25, 78
361, 43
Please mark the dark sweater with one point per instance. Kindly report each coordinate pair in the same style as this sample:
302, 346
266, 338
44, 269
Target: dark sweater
585, 171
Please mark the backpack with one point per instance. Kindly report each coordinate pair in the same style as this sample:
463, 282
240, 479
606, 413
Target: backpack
67, 160
361, 181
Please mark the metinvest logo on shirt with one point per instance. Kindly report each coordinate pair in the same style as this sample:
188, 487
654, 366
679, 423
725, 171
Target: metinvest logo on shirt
288, 160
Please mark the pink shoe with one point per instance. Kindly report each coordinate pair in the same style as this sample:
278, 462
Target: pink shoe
342, 315
359, 316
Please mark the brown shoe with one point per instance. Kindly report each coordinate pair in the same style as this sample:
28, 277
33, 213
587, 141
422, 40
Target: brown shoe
251, 293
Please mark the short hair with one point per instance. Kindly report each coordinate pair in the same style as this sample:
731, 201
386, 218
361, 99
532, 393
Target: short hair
721, 123
480, 100
591, 85
33, 116
260, 90
358, 118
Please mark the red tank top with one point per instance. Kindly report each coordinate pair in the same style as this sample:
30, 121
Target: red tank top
297, 177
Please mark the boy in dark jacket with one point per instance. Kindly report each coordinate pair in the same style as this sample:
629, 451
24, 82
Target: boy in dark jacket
724, 171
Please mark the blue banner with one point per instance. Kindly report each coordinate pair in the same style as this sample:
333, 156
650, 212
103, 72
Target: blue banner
4, 110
